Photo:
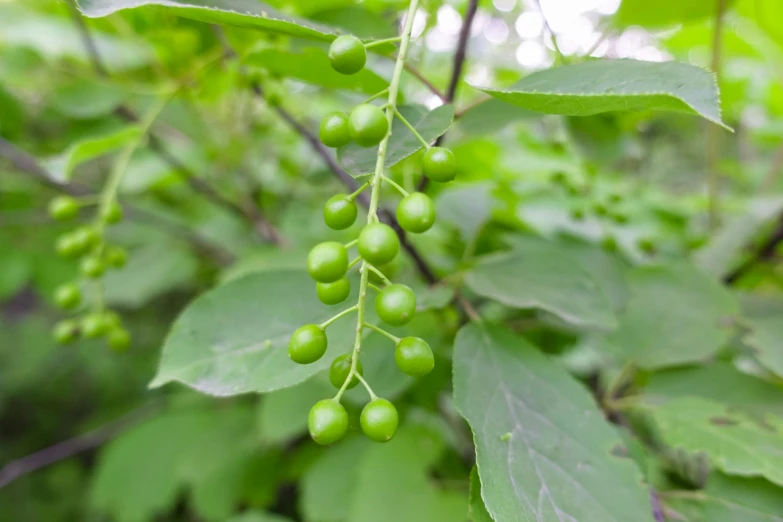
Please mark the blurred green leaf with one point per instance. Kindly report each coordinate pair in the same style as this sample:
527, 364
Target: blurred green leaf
61, 167
282, 414
664, 12
763, 316
477, 511
258, 516
86, 99
468, 208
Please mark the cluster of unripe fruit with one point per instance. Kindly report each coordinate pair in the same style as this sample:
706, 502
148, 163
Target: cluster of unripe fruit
377, 245
86, 243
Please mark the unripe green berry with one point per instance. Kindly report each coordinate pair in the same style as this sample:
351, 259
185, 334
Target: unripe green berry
378, 244
119, 339
414, 356
368, 125
340, 369
77, 242
307, 344
63, 208
94, 325
92, 267
327, 262
327, 422
440, 164
416, 213
333, 293
396, 305
379, 420
347, 55
67, 296
112, 214
116, 257
335, 130
340, 212
66, 331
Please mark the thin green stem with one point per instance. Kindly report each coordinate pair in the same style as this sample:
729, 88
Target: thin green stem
358, 191
373, 287
345, 312
395, 185
351, 243
379, 274
352, 263
376, 96
410, 128
383, 332
375, 43
375, 195
366, 386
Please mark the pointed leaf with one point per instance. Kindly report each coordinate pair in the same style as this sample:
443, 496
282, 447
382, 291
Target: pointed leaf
61, 166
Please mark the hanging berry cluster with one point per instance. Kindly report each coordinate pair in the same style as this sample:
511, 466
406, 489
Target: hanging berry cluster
88, 244
378, 244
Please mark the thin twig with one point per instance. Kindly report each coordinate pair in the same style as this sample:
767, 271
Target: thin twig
713, 178
87, 41
424, 81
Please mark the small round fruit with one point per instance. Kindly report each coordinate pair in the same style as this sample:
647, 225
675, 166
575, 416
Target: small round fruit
414, 356
116, 257
340, 369
68, 296
334, 130
347, 55
94, 325
113, 213
333, 293
63, 208
416, 213
66, 332
327, 262
119, 339
379, 420
368, 125
378, 244
340, 212
396, 305
440, 164
327, 422
307, 344
77, 242
92, 267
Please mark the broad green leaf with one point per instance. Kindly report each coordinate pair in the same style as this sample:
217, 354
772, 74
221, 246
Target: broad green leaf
616, 85
664, 12
61, 166
243, 13
734, 444
84, 99
477, 511
728, 499
311, 65
764, 317
541, 274
676, 315
491, 117
727, 246
468, 208
283, 413
15, 271
13, 113
234, 339
402, 144
543, 448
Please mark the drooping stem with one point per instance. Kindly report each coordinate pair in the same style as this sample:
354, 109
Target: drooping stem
375, 195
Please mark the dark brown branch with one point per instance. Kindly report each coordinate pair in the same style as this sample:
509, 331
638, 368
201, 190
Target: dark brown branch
27, 163
87, 41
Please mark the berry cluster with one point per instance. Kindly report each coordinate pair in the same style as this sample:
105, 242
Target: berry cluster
377, 245
87, 243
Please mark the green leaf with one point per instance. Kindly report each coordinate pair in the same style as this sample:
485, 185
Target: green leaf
727, 246
676, 315
663, 12
258, 516
734, 444
61, 166
402, 144
312, 66
84, 99
283, 413
541, 274
477, 511
234, 339
468, 208
543, 448
600, 86
242, 13
728, 499
763, 316
491, 117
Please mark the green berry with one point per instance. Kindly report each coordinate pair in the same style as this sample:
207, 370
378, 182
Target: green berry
63, 208
340, 369
379, 420
92, 267
116, 257
66, 246
333, 293
113, 213
327, 262
334, 130
66, 332
94, 325
340, 212
68, 296
440, 164
378, 244
327, 422
347, 55
396, 305
416, 213
119, 339
414, 356
368, 125
77, 242
307, 344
